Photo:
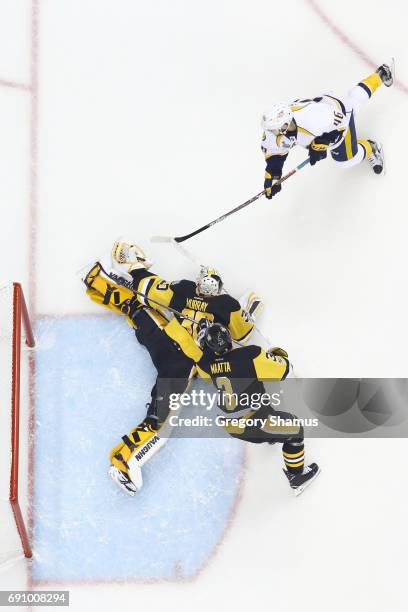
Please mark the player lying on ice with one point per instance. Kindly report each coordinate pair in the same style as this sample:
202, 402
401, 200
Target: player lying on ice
113, 285
321, 124
241, 372
174, 352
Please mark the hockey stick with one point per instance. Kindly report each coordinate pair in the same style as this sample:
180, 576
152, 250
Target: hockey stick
169, 308
231, 212
173, 310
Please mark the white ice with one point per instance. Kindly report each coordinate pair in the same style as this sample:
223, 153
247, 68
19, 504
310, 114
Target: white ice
148, 123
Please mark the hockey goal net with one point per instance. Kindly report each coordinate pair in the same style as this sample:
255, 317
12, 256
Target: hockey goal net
16, 335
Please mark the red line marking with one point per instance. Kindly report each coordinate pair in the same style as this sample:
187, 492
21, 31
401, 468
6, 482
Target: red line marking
32, 229
14, 85
315, 7
33, 197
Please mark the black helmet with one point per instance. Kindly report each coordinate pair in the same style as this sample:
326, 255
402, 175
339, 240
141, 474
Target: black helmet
217, 338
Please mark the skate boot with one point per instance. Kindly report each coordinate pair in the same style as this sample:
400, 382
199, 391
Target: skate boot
385, 73
122, 480
376, 159
299, 482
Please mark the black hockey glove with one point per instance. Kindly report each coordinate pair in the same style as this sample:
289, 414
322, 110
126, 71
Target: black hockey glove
316, 155
271, 189
277, 351
318, 147
202, 327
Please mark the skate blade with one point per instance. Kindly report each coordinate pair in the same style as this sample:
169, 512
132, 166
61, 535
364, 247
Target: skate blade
300, 490
390, 62
381, 148
113, 474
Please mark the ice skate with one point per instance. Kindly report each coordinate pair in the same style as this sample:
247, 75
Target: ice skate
386, 73
376, 159
122, 480
299, 482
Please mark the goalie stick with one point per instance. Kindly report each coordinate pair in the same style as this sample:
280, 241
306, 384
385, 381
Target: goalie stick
228, 214
153, 301
123, 282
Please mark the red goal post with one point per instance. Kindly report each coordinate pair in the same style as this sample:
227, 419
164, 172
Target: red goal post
20, 318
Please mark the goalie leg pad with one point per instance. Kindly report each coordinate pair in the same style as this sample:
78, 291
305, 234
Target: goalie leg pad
128, 457
106, 291
143, 454
252, 304
140, 440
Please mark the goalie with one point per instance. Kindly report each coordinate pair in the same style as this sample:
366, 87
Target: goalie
165, 316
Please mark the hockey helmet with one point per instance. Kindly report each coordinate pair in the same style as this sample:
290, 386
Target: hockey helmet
209, 282
277, 118
217, 338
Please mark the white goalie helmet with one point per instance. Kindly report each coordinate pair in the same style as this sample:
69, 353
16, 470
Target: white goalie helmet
209, 282
277, 118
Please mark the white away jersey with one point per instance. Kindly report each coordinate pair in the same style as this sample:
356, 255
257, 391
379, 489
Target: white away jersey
313, 118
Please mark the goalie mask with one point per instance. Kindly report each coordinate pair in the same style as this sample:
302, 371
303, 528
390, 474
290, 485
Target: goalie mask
217, 338
209, 283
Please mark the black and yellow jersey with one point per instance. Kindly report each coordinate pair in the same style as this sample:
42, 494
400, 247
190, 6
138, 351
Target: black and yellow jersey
242, 371
182, 296
104, 290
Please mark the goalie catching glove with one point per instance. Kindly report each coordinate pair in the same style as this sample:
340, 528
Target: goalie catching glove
127, 256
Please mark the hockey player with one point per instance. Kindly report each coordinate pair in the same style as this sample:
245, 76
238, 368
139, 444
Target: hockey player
164, 336
321, 124
242, 371
203, 299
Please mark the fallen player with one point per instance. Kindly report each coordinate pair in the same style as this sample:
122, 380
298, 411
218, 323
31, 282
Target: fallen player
126, 285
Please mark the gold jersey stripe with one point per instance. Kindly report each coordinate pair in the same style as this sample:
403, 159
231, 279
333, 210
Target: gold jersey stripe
295, 464
293, 455
335, 101
366, 146
298, 107
304, 131
347, 142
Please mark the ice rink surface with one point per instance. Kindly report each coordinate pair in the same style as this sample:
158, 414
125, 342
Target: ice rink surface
143, 118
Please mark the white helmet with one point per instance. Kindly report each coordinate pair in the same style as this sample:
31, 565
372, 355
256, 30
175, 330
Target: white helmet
209, 282
276, 117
